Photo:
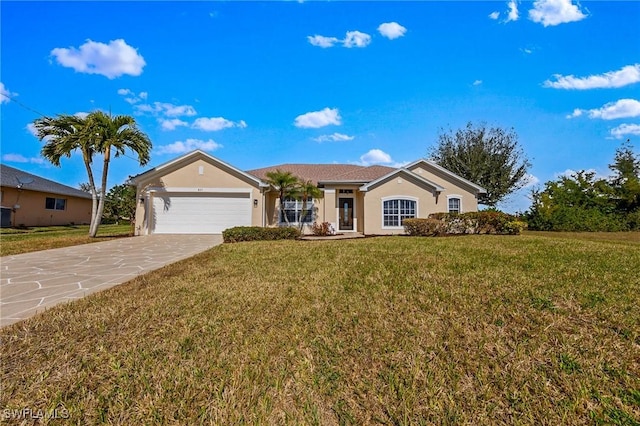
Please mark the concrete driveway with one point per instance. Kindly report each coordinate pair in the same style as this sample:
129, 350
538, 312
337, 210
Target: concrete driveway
31, 282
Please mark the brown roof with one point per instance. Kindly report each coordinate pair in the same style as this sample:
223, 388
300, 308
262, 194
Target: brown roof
363, 174
313, 172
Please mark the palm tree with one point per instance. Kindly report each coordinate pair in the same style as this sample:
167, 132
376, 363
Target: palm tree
116, 134
97, 133
285, 183
65, 134
306, 189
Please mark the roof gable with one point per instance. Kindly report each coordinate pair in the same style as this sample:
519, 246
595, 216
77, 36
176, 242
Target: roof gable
430, 165
189, 158
12, 177
402, 171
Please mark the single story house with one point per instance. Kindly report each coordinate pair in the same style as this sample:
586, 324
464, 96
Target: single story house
198, 193
30, 200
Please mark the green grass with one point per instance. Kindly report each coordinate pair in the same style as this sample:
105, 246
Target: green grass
530, 329
18, 241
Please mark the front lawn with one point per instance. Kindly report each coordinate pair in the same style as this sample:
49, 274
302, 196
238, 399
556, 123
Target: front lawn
17, 241
523, 329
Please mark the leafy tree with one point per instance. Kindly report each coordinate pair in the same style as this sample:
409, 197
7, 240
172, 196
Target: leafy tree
581, 202
285, 183
306, 190
488, 156
578, 202
97, 133
626, 177
121, 203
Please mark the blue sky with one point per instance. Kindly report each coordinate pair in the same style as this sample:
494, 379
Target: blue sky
263, 83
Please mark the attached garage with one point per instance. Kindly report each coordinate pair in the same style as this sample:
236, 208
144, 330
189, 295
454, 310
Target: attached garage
198, 213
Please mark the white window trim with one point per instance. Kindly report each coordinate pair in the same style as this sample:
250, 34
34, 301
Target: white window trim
310, 205
459, 197
397, 197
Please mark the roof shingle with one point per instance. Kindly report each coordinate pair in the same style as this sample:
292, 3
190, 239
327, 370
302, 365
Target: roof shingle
313, 172
12, 177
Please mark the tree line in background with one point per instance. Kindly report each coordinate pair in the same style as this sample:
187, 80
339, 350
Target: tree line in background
493, 158
584, 202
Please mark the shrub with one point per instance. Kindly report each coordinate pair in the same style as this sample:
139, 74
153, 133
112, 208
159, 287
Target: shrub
424, 227
485, 222
258, 233
322, 229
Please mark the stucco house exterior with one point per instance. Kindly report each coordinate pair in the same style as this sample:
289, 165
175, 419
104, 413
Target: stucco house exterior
31, 200
198, 193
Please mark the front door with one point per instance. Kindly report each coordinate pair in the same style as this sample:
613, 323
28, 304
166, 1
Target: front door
345, 214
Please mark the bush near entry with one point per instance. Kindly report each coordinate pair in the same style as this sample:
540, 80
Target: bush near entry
489, 222
258, 233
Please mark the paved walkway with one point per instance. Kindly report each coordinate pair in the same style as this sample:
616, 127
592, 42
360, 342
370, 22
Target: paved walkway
31, 282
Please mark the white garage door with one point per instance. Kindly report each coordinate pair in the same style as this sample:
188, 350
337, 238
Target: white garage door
199, 213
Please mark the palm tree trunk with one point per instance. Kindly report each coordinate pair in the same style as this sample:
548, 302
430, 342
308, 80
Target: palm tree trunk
94, 195
103, 190
282, 212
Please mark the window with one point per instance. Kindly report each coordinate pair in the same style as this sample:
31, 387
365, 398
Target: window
395, 211
293, 211
55, 203
454, 205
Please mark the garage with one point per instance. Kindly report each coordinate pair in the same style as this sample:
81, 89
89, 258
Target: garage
199, 213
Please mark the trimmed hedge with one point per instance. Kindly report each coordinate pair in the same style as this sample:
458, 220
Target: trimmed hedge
258, 233
489, 222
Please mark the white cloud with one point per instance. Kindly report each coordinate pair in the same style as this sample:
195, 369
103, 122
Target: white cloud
4, 92
168, 109
19, 158
625, 130
32, 129
392, 30
555, 12
125, 92
316, 119
623, 108
81, 114
612, 79
526, 50
356, 39
375, 156
143, 95
531, 180
110, 60
322, 41
351, 39
336, 137
513, 11
172, 124
477, 82
213, 124
494, 15
188, 145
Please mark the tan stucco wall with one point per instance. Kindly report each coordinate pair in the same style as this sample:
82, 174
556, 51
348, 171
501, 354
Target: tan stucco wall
397, 186
188, 177
469, 201
32, 211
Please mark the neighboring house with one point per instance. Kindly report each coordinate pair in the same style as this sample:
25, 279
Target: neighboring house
198, 193
30, 200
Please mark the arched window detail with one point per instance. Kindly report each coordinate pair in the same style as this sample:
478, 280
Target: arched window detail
396, 210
